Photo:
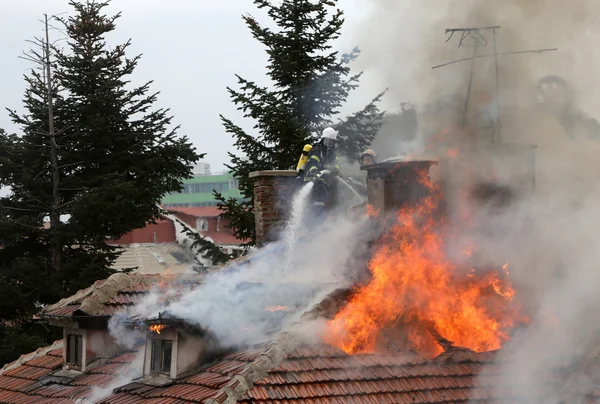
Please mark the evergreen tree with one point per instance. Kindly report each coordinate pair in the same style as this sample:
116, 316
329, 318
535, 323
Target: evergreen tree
94, 151
310, 83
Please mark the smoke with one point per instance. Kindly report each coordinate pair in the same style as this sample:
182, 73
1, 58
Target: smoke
549, 238
251, 302
123, 376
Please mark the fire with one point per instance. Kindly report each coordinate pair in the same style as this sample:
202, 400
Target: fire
157, 328
371, 211
415, 286
276, 308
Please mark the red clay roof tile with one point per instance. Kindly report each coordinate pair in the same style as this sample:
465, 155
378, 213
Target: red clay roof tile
14, 384
124, 358
27, 372
318, 374
46, 361
109, 368
99, 380
227, 367
207, 379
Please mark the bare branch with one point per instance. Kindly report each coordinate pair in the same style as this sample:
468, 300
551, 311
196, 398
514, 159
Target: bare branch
19, 209
29, 59
63, 130
71, 164
28, 226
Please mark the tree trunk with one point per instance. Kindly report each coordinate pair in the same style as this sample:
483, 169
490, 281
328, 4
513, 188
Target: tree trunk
55, 243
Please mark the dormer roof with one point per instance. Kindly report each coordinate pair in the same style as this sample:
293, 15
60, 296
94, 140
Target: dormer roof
114, 294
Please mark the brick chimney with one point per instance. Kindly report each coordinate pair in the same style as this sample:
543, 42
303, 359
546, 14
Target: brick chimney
273, 193
392, 185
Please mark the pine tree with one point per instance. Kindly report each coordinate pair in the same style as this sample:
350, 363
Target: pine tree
94, 151
130, 156
310, 83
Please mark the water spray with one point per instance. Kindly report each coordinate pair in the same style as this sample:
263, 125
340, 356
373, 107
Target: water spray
293, 225
352, 190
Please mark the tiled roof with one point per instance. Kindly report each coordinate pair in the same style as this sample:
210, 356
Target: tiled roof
223, 237
278, 373
119, 291
153, 259
323, 374
201, 211
27, 380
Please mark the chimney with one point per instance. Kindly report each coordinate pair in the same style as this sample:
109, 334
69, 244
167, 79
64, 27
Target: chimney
273, 194
393, 185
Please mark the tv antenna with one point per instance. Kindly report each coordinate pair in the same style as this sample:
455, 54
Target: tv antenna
468, 36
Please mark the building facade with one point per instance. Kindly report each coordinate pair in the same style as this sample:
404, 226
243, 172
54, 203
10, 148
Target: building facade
198, 190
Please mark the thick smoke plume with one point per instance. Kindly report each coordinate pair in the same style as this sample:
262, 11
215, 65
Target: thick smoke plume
550, 237
249, 302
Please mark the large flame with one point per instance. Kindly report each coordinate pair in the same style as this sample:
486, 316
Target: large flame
414, 285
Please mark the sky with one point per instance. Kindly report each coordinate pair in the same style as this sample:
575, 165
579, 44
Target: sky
192, 49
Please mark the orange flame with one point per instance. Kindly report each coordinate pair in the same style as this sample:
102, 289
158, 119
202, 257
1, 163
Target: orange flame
157, 328
371, 211
276, 308
414, 285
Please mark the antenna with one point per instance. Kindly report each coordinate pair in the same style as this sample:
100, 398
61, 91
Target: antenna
478, 36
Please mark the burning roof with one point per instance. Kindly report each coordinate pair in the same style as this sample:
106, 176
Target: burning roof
417, 292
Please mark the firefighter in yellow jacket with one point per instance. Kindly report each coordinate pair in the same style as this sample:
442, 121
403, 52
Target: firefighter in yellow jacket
322, 167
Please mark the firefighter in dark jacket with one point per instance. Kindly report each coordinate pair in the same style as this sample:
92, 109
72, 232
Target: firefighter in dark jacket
322, 168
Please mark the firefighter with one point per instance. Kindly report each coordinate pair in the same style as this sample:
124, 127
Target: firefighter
322, 168
368, 157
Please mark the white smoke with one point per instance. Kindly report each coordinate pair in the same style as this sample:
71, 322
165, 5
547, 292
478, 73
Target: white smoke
550, 238
251, 302
123, 376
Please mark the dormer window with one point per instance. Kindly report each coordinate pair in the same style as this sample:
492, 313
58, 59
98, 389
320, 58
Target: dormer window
162, 352
173, 348
74, 350
161, 349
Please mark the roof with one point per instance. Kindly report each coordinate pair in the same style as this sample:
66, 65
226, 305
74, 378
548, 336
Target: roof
223, 237
116, 293
154, 259
27, 380
282, 372
201, 211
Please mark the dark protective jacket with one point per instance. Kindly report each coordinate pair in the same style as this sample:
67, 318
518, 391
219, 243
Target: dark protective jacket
321, 158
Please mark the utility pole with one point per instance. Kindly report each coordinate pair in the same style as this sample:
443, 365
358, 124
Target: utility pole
477, 35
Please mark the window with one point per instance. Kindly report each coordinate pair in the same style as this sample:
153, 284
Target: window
201, 224
161, 356
74, 349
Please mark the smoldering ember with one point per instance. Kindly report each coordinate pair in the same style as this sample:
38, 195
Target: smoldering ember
461, 271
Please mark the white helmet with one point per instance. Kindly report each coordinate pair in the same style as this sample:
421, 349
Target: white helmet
329, 133
329, 137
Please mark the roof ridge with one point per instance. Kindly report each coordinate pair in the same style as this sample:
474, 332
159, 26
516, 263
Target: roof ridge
275, 353
102, 293
32, 355
241, 383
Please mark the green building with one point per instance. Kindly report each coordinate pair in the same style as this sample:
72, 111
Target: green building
198, 191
